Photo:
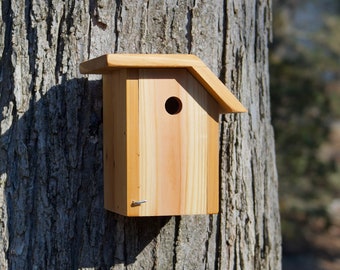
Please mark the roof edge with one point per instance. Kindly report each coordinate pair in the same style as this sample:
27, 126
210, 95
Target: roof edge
105, 63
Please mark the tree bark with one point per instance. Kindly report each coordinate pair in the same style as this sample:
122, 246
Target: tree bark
51, 184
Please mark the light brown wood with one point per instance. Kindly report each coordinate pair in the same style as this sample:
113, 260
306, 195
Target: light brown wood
132, 135
174, 149
121, 142
227, 101
169, 160
160, 145
114, 140
213, 160
106, 63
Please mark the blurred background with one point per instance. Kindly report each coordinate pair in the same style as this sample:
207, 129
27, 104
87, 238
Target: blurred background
305, 96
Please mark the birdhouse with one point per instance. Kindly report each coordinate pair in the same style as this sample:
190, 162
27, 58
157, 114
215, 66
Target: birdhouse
160, 133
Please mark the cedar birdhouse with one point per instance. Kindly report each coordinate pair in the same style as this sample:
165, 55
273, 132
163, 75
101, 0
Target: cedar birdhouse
161, 133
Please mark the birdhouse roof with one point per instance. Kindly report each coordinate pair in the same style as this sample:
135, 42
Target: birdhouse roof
106, 63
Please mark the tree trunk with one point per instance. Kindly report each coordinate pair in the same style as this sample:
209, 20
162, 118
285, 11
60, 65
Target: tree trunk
51, 185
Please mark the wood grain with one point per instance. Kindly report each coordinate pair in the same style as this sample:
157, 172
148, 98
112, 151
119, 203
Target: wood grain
213, 160
121, 143
174, 171
104, 64
132, 145
115, 141
169, 160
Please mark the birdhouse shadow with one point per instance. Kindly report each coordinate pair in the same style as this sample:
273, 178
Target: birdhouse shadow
52, 165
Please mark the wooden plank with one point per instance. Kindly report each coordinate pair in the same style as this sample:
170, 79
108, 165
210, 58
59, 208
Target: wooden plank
108, 62
228, 102
115, 156
107, 143
104, 64
196, 136
213, 186
132, 134
160, 165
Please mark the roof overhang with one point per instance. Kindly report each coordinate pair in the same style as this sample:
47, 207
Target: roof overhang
106, 63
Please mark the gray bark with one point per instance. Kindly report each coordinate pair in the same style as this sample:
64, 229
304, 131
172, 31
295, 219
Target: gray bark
51, 185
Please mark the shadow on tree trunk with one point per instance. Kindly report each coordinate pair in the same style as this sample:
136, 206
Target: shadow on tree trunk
51, 157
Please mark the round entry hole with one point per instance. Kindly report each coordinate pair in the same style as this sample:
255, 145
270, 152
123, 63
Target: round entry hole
173, 105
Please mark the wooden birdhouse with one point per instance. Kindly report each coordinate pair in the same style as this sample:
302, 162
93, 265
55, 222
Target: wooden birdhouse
161, 133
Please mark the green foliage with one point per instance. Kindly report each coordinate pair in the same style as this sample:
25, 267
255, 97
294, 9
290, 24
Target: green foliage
299, 110
302, 110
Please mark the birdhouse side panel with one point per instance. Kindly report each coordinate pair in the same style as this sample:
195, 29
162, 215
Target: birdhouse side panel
115, 141
213, 158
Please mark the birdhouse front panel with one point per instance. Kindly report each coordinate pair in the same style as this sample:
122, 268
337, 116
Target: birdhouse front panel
160, 117
178, 124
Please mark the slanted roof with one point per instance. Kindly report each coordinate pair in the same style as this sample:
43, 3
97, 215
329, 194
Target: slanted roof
106, 63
